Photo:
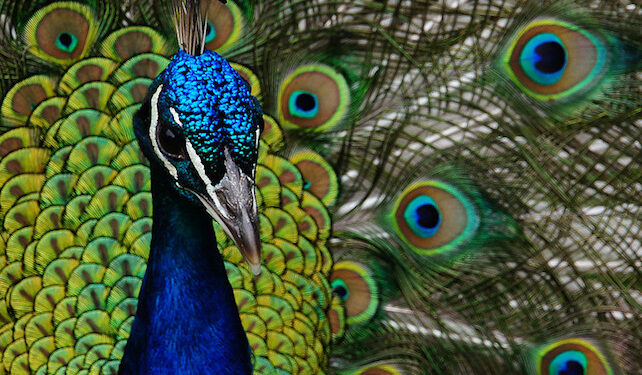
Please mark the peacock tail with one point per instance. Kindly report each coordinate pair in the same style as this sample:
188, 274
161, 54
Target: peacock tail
444, 187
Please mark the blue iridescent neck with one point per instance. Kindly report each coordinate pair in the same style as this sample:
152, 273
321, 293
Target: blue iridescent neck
187, 321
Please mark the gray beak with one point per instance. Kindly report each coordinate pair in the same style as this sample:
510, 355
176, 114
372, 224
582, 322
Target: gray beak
232, 204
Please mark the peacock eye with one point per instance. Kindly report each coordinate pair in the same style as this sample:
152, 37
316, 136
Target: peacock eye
318, 176
553, 60
354, 284
171, 143
62, 32
313, 97
434, 217
572, 356
224, 25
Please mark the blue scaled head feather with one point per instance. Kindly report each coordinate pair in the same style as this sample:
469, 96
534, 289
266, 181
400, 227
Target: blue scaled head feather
201, 126
209, 102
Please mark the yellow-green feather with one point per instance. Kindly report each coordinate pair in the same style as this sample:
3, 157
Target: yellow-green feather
420, 98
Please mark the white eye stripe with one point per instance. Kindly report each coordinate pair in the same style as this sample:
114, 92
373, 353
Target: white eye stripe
252, 190
175, 116
213, 213
198, 165
152, 134
200, 169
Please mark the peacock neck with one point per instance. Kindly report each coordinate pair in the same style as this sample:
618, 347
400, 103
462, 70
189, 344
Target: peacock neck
187, 321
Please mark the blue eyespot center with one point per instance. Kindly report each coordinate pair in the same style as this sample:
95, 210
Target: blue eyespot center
572, 368
552, 57
428, 216
544, 59
306, 102
210, 33
340, 289
306, 185
423, 216
66, 41
303, 104
571, 362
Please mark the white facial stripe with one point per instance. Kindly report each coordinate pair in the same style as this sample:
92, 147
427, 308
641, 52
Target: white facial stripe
254, 208
210, 210
198, 164
152, 134
175, 116
200, 169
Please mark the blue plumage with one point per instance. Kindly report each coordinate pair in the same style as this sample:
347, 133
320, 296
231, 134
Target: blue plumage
215, 108
199, 128
187, 321
445, 187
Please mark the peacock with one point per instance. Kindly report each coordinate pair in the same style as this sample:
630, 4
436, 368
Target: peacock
435, 187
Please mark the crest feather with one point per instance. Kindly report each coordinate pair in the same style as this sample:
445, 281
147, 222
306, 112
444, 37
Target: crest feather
191, 24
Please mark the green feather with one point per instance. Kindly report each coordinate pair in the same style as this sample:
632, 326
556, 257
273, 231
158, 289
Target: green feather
430, 202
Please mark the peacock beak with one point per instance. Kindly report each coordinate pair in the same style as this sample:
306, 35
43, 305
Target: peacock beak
246, 238
232, 204
242, 226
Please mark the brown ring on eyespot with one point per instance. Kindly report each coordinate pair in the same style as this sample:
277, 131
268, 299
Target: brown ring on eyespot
267, 126
139, 92
223, 22
454, 217
56, 22
335, 321
360, 293
581, 58
49, 113
594, 364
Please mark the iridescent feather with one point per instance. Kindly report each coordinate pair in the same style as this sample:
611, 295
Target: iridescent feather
444, 187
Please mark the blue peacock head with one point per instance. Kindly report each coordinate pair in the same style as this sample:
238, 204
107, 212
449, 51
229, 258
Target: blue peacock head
200, 127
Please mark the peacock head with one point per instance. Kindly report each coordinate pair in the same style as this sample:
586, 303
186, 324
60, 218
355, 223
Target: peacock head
199, 127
